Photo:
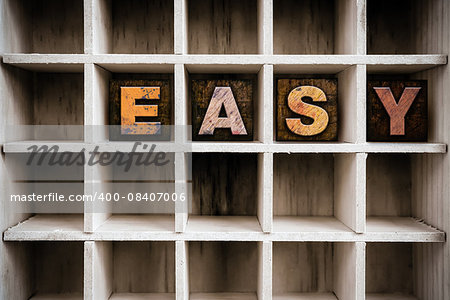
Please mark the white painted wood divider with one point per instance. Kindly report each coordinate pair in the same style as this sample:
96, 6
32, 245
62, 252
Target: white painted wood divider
347, 220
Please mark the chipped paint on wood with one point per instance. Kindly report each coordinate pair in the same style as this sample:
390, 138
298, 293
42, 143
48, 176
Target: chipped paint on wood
147, 120
130, 110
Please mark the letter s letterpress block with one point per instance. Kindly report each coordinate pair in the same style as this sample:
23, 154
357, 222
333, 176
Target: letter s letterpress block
306, 109
397, 110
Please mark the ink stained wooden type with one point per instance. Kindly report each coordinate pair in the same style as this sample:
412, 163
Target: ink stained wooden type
306, 109
397, 110
222, 109
140, 109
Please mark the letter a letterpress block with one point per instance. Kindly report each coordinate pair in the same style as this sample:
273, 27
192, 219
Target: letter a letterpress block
306, 109
397, 110
222, 109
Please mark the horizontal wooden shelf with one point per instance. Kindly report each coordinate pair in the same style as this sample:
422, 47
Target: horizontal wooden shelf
220, 228
223, 296
142, 296
236, 147
404, 229
314, 229
57, 297
138, 223
318, 147
45, 227
63, 145
47, 62
389, 297
339, 147
154, 63
318, 225
77, 146
406, 148
305, 296
223, 224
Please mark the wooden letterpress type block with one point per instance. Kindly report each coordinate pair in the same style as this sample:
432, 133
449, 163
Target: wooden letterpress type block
306, 109
397, 110
222, 108
140, 109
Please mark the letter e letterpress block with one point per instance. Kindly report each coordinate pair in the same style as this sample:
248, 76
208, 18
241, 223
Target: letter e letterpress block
306, 109
222, 109
397, 110
140, 109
